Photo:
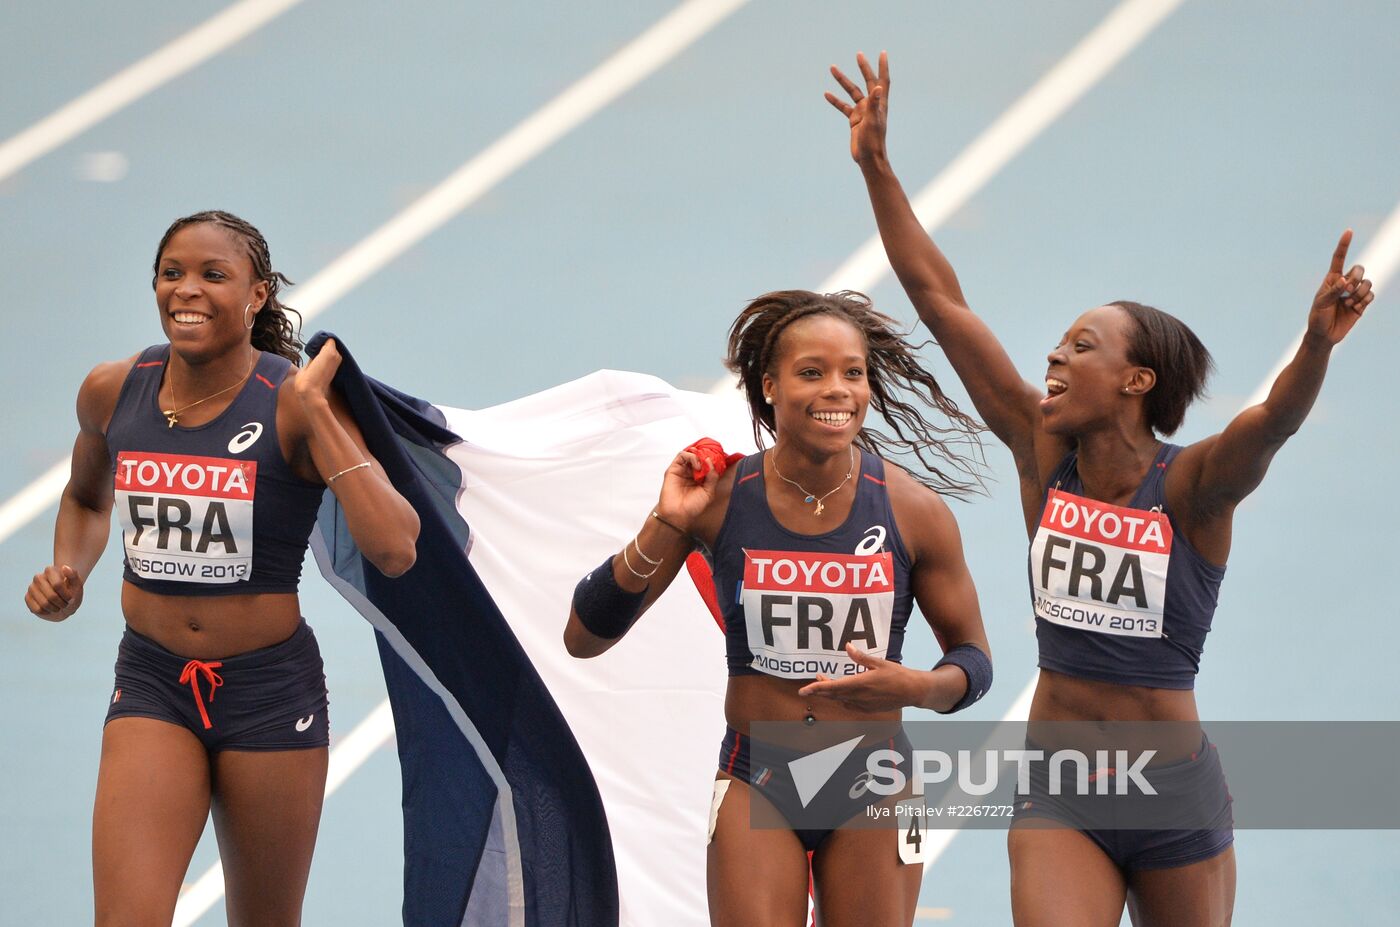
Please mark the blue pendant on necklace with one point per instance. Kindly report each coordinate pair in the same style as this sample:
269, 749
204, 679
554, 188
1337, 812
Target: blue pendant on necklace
810, 499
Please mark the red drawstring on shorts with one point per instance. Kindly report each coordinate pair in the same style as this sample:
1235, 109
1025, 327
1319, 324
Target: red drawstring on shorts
191, 676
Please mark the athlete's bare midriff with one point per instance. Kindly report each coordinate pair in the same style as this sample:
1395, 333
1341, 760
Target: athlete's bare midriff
759, 698
211, 627
1117, 709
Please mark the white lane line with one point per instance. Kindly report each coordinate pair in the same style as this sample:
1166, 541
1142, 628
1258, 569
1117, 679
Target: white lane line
615, 76
938, 840
619, 73
33, 500
636, 61
1381, 259
350, 754
1103, 47
161, 66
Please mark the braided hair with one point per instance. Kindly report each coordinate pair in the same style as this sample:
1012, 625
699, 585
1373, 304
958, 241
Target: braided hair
892, 370
273, 330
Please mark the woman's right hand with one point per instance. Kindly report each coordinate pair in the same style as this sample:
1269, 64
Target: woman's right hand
682, 499
868, 109
55, 593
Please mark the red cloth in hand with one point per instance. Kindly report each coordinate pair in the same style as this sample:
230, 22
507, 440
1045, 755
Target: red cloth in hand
712, 457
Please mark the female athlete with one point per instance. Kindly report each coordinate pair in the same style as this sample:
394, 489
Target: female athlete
215, 451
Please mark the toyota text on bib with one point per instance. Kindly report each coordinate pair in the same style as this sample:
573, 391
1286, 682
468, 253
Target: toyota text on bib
1100, 567
802, 608
186, 518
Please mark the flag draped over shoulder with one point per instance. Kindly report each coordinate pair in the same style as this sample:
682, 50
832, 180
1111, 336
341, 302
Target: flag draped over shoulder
539, 790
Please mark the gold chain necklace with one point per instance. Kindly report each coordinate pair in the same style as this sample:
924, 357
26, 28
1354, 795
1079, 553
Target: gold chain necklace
171, 415
812, 497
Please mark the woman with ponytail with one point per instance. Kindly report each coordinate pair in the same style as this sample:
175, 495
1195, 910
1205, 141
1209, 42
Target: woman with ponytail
215, 449
854, 541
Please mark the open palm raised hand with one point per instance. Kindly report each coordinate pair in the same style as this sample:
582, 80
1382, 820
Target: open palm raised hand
868, 109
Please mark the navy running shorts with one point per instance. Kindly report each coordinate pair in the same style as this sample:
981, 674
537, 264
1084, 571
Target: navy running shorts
268, 699
844, 796
1189, 820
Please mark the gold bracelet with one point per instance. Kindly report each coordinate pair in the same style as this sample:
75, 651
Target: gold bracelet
633, 570
358, 466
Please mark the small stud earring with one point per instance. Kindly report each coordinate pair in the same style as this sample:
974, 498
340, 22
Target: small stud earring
768, 399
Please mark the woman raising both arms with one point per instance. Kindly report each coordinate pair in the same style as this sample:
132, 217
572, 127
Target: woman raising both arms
820, 503
216, 451
1121, 376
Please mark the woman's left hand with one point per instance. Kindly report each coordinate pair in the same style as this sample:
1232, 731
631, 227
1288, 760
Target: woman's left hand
313, 383
1342, 297
884, 686
868, 110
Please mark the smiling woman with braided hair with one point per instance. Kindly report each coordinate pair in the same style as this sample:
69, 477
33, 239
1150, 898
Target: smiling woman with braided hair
822, 502
272, 330
216, 451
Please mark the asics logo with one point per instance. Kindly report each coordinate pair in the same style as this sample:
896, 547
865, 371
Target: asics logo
862, 785
873, 542
245, 438
304, 723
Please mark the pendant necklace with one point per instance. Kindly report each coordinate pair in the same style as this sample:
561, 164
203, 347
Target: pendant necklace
172, 414
812, 497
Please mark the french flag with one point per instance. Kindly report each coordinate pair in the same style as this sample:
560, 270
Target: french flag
539, 790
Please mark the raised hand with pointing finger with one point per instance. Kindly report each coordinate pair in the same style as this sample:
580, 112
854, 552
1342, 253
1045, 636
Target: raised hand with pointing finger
1341, 299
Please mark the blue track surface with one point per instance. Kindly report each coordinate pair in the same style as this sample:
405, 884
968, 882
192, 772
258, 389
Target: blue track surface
1209, 174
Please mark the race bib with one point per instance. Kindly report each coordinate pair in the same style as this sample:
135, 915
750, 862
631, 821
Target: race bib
186, 518
801, 609
909, 820
1101, 567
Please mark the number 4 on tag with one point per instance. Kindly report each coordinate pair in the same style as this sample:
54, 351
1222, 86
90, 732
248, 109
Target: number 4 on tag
909, 817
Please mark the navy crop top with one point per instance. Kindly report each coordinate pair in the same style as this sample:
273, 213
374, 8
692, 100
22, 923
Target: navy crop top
214, 509
791, 602
1119, 594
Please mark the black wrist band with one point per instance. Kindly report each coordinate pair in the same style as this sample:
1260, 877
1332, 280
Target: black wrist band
976, 665
605, 608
